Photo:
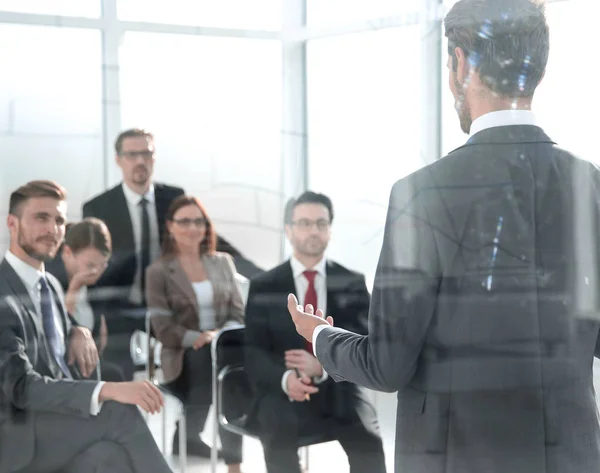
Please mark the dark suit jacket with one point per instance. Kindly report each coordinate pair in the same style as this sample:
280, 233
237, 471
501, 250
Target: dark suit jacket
270, 331
28, 375
111, 207
485, 308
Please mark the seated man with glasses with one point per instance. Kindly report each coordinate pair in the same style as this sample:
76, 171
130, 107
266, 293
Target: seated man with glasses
294, 396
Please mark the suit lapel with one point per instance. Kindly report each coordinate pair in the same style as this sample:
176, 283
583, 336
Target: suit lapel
22, 294
182, 282
333, 288
122, 220
161, 202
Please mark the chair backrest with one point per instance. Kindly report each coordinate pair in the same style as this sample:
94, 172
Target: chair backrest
233, 393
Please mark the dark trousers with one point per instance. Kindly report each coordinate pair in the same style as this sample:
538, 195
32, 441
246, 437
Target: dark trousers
194, 386
117, 440
121, 323
282, 423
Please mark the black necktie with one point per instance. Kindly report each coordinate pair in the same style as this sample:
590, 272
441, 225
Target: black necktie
145, 246
50, 328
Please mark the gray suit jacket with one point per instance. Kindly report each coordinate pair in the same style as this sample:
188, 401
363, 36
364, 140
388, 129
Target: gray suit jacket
484, 313
28, 374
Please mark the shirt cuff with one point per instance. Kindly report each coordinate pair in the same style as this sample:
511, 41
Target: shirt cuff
318, 329
284, 379
190, 337
95, 404
322, 378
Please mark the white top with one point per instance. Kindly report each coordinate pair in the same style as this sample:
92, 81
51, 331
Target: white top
135, 212
31, 279
207, 319
503, 118
83, 310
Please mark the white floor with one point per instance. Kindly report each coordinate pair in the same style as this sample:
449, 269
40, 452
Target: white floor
324, 458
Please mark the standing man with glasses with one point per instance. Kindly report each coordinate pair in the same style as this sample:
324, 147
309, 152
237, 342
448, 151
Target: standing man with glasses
294, 395
134, 212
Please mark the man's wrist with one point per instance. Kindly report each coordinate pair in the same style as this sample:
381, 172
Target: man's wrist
106, 392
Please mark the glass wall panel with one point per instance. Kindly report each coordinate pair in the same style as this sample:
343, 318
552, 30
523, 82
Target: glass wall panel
364, 132
50, 111
214, 105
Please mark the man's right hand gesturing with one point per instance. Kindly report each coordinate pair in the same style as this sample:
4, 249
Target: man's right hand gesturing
143, 394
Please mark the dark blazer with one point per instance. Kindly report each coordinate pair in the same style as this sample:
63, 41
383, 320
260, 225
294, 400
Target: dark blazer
485, 309
28, 376
111, 207
270, 331
174, 308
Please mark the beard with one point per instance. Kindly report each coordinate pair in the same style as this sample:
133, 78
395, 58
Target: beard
462, 108
30, 251
312, 248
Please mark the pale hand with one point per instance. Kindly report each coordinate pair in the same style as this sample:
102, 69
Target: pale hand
143, 394
204, 339
300, 389
305, 320
80, 279
83, 350
303, 361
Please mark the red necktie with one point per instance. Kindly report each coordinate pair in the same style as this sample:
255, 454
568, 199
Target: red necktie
310, 298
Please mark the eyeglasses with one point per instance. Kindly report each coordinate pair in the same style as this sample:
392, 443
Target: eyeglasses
188, 222
305, 224
146, 155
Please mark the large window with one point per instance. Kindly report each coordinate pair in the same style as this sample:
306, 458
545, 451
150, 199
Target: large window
50, 111
214, 105
252, 14
83, 8
333, 12
364, 132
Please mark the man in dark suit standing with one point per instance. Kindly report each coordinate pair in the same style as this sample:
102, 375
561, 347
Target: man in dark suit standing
51, 419
484, 315
134, 212
294, 396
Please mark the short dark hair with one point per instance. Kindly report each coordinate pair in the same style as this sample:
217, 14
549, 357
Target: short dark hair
207, 246
307, 197
132, 133
90, 232
506, 41
35, 189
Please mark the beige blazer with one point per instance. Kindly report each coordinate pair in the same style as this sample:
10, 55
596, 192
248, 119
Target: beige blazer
174, 309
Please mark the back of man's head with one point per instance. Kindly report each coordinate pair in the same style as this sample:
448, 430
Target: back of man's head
506, 42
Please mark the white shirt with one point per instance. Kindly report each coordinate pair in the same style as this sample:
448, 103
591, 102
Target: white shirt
135, 212
31, 280
489, 120
301, 285
84, 314
206, 311
503, 118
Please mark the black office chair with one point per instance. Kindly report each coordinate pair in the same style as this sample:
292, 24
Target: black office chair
232, 392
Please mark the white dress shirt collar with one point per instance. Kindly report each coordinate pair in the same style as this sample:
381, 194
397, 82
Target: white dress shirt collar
134, 198
298, 268
28, 274
503, 118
